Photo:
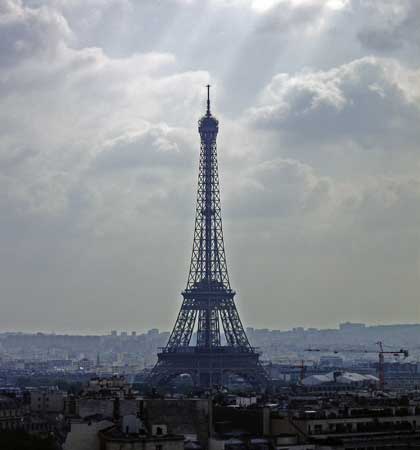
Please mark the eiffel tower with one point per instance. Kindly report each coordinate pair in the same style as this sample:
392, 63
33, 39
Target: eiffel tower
208, 299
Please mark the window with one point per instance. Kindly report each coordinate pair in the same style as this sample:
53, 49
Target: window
318, 428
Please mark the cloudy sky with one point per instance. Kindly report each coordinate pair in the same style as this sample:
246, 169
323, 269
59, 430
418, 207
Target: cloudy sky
319, 110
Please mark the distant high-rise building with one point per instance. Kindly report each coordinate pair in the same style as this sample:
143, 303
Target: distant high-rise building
349, 326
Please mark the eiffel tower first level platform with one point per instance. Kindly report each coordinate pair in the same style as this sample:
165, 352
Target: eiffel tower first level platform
210, 368
208, 311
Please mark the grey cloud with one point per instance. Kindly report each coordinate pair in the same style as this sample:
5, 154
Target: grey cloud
364, 100
383, 205
75, 102
154, 146
380, 39
99, 150
27, 32
278, 188
287, 16
391, 26
16, 156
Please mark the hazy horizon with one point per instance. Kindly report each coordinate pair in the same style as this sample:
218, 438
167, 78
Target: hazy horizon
319, 110
144, 331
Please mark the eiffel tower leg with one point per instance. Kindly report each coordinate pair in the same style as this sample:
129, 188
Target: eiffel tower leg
184, 325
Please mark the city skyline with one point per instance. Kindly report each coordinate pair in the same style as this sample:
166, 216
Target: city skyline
319, 103
248, 327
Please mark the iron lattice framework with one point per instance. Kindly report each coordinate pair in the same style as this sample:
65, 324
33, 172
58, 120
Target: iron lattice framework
208, 299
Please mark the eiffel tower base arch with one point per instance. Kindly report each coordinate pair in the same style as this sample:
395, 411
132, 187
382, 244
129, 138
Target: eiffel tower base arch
209, 368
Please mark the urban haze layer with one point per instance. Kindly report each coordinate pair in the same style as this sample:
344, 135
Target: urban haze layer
131, 352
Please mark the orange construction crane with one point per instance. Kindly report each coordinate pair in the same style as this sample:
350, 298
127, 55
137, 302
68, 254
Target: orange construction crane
381, 367
381, 356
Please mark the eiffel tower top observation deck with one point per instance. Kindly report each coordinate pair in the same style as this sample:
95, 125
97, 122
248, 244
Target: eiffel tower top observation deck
208, 299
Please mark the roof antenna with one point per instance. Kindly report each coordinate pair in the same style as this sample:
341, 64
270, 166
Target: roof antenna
208, 100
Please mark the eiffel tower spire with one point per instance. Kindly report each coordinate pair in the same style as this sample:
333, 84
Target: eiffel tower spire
208, 300
208, 101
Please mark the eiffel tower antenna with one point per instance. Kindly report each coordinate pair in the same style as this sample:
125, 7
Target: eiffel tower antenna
208, 300
208, 100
